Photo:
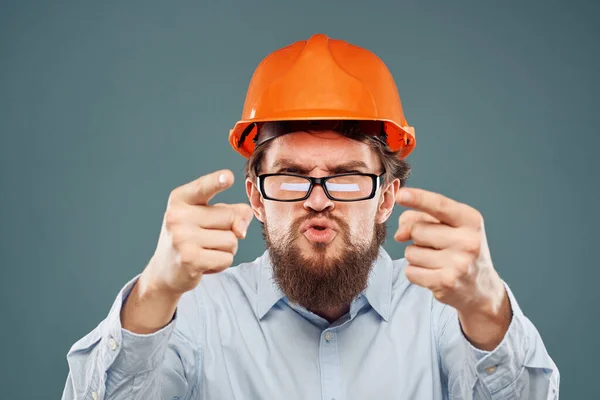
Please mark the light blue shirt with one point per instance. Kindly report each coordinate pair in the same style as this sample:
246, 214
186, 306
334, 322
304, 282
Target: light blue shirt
237, 337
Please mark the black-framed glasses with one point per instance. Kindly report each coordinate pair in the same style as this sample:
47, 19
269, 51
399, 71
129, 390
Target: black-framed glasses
342, 187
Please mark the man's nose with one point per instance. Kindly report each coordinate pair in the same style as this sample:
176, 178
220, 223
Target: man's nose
318, 200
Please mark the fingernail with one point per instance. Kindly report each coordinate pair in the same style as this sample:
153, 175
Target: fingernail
405, 196
242, 228
222, 179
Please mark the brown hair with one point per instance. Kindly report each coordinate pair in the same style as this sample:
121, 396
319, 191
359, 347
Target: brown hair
395, 168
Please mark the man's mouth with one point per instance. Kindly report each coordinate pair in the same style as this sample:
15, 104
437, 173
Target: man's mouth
320, 224
319, 231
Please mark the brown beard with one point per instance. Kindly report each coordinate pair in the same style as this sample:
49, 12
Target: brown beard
322, 282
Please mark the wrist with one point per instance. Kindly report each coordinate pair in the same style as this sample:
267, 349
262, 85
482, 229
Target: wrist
148, 308
486, 323
151, 289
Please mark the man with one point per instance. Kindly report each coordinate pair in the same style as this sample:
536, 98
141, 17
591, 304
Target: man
324, 313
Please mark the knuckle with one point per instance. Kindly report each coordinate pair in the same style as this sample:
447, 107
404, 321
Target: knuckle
448, 281
409, 253
461, 262
407, 216
229, 215
224, 261
233, 243
439, 295
455, 258
473, 244
173, 195
249, 214
177, 238
194, 273
171, 218
408, 271
417, 230
199, 186
244, 211
216, 261
186, 257
479, 223
229, 242
463, 269
443, 205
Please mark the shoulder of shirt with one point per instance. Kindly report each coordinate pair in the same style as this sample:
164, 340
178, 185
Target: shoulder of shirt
398, 277
243, 276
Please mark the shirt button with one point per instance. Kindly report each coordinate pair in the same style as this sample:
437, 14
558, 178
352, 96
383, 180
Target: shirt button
328, 336
95, 395
112, 343
490, 370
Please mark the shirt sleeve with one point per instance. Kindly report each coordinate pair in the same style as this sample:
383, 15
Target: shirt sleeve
518, 368
113, 363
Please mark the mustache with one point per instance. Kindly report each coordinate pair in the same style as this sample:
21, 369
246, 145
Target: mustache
318, 214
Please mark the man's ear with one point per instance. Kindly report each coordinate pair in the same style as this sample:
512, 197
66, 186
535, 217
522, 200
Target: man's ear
255, 200
387, 201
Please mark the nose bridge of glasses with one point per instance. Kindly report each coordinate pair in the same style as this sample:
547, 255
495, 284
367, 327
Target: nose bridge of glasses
317, 196
330, 188
317, 184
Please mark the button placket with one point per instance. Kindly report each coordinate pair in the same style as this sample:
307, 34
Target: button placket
330, 365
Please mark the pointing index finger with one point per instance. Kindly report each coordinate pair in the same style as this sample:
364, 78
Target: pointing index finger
446, 210
203, 189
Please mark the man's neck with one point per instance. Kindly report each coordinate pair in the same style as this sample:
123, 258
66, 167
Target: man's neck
332, 314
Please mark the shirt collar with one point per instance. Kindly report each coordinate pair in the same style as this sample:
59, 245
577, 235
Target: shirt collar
379, 288
268, 291
378, 292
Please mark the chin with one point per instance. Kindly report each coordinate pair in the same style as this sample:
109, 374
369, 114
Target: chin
319, 250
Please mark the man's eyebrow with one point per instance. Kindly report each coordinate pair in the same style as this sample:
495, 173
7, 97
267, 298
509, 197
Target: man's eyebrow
346, 167
285, 164
335, 169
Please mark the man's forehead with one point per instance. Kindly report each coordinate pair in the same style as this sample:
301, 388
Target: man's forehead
319, 148
329, 165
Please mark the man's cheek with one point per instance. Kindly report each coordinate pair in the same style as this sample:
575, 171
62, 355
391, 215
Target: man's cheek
362, 231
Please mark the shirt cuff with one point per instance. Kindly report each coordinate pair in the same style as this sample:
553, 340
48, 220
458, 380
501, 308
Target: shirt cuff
500, 367
128, 352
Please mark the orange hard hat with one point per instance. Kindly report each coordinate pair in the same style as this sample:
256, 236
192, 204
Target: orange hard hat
323, 79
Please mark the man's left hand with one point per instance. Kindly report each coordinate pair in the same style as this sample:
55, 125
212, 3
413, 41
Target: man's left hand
450, 256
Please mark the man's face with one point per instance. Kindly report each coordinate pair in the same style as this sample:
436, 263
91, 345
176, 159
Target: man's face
322, 250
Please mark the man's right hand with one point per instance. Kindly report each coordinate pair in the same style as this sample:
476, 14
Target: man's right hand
195, 239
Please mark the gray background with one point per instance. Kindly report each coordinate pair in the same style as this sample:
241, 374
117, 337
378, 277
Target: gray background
105, 107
